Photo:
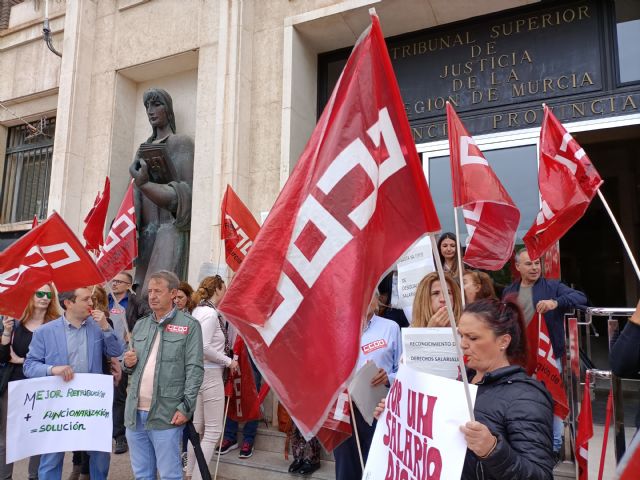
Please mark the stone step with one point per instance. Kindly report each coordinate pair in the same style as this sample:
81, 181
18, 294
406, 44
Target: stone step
265, 466
564, 470
270, 439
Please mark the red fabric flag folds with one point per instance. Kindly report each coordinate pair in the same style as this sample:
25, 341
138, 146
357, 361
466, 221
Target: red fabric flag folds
585, 432
545, 367
490, 215
567, 181
94, 221
239, 229
337, 427
356, 200
121, 246
243, 395
48, 253
629, 464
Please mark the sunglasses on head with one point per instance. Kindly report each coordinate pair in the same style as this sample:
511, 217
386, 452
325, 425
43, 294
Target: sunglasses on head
41, 294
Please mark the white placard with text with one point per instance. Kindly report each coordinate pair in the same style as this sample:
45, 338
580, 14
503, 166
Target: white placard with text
47, 415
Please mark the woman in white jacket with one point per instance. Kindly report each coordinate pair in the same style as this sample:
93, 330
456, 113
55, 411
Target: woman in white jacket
209, 412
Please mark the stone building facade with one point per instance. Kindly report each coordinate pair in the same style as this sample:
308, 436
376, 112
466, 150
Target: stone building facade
248, 78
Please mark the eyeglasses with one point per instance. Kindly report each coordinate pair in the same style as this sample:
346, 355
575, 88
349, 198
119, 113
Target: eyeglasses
41, 294
119, 282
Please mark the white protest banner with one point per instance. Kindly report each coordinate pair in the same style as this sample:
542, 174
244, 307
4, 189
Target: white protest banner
431, 350
418, 434
47, 415
412, 267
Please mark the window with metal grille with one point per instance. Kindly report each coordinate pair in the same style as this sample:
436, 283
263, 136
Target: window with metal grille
27, 171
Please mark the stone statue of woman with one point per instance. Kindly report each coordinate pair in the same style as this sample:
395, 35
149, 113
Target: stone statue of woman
162, 171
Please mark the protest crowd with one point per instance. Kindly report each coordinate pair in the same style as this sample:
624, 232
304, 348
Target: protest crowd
179, 356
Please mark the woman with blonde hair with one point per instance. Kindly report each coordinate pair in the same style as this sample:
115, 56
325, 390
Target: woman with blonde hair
429, 307
209, 412
16, 336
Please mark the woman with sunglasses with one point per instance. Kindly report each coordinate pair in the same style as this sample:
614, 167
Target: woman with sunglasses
16, 337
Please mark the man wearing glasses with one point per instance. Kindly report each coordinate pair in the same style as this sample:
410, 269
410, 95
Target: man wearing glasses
88, 336
123, 312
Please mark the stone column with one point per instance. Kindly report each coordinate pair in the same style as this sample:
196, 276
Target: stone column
221, 141
70, 147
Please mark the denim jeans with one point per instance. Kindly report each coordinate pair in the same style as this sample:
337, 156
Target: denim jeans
154, 449
51, 465
250, 428
558, 423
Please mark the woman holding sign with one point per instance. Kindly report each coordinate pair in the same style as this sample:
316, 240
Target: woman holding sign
429, 305
16, 337
512, 435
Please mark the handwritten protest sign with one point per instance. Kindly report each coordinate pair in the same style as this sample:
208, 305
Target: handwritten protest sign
418, 434
47, 415
412, 267
431, 350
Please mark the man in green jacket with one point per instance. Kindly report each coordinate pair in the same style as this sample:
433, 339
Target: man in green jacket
165, 371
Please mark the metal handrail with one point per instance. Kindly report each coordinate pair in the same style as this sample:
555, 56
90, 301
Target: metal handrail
610, 311
578, 337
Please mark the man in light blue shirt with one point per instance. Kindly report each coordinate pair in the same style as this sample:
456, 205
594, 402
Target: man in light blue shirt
380, 343
74, 343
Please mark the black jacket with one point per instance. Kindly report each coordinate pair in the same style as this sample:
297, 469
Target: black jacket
518, 410
625, 355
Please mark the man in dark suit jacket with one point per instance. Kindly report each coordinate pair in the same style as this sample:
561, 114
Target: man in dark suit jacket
552, 299
74, 343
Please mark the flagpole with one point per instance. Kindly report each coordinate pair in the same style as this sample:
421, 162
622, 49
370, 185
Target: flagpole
355, 430
452, 322
459, 255
624, 240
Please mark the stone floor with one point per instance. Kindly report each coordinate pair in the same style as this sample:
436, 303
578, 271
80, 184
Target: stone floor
121, 468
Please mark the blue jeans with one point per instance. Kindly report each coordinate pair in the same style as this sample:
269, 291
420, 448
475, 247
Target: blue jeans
250, 428
154, 449
51, 465
558, 423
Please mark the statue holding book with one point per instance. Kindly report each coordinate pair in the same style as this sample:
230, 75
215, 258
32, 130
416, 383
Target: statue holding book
162, 171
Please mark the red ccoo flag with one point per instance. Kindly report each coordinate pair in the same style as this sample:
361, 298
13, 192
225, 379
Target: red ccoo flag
337, 427
34, 223
544, 362
48, 253
239, 229
585, 432
490, 215
243, 394
94, 229
567, 181
355, 202
121, 246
